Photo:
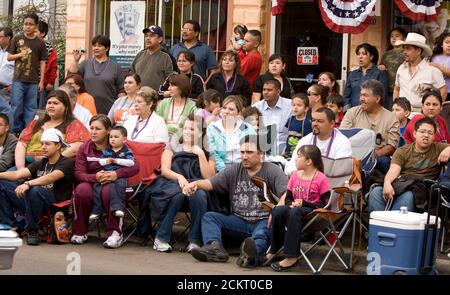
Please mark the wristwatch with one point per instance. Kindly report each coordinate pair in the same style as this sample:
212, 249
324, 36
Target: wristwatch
27, 183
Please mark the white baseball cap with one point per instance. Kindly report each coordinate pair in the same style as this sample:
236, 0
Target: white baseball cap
53, 135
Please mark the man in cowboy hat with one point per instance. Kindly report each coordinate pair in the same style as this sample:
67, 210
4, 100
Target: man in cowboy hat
416, 75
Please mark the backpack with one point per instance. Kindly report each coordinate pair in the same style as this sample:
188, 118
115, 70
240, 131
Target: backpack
59, 229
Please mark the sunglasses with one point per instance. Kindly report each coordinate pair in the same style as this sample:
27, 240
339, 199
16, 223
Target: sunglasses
311, 93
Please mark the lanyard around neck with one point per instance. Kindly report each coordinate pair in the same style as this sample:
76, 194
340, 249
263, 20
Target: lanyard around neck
173, 108
136, 129
329, 143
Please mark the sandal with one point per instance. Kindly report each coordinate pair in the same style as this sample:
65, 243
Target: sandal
276, 266
268, 261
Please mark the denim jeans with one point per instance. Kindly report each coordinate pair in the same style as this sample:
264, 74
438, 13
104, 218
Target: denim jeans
378, 203
383, 164
213, 223
198, 205
117, 196
5, 108
37, 201
23, 104
42, 98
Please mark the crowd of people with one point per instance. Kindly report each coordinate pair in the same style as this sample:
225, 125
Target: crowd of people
210, 115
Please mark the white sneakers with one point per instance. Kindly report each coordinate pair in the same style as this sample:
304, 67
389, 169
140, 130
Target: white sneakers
161, 246
119, 213
93, 218
114, 240
78, 239
192, 246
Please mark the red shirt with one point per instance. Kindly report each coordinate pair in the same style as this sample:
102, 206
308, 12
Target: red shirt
251, 67
338, 121
442, 134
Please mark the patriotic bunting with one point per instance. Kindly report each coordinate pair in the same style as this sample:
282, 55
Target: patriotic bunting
347, 16
420, 10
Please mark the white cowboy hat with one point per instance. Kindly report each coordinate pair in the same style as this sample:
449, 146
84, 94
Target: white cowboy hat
418, 41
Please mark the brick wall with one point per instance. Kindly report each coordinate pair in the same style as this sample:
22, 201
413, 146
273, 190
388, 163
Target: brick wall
253, 14
78, 27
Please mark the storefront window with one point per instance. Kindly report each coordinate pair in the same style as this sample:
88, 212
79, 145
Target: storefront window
301, 25
170, 15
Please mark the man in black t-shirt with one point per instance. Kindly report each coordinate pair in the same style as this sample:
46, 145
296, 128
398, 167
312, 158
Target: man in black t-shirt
48, 180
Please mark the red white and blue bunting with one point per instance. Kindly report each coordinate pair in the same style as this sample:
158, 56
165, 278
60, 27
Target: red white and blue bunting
347, 16
278, 6
420, 10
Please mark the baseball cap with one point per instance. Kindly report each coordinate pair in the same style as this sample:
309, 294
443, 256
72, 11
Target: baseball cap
154, 29
53, 135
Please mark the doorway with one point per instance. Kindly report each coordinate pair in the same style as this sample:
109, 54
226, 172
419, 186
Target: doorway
301, 25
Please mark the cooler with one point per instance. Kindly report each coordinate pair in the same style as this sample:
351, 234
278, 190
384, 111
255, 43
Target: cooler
9, 243
398, 239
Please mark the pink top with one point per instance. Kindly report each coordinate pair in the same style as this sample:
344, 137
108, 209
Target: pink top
308, 190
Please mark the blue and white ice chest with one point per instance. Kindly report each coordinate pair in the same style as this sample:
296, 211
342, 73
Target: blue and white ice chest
396, 243
9, 243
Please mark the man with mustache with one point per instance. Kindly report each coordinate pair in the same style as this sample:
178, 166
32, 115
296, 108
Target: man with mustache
332, 143
416, 75
372, 115
419, 159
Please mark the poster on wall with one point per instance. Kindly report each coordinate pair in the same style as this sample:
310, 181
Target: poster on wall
126, 24
307, 56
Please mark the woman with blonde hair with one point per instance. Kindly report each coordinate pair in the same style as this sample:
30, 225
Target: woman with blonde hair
225, 135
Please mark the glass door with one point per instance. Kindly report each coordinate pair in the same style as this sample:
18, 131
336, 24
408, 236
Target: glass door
301, 25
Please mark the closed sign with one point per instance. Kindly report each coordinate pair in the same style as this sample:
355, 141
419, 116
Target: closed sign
307, 56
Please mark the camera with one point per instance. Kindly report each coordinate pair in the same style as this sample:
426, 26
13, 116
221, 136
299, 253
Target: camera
82, 50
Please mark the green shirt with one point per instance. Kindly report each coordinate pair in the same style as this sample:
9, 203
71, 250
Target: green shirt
392, 59
174, 127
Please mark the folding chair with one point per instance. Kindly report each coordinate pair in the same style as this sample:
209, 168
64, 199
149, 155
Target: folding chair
443, 194
148, 155
339, 211
363, 143
329, 218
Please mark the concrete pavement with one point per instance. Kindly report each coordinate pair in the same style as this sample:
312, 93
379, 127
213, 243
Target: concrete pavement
133, 259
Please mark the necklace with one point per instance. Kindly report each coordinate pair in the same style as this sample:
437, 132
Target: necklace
309, 186
136, 129
98, 68
173, 108
48, 171
228, 90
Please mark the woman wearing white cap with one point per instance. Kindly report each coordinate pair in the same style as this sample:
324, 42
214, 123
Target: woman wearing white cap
50, 180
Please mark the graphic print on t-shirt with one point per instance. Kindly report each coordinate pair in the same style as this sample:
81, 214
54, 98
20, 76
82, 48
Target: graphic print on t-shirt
47, 170
245, 202
23, 65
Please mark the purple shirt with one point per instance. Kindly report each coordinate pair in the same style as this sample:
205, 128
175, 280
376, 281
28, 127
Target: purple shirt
445, 61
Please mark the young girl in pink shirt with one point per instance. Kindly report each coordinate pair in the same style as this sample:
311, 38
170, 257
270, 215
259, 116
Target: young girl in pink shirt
307, 190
